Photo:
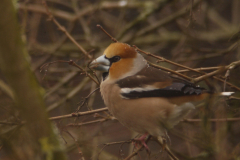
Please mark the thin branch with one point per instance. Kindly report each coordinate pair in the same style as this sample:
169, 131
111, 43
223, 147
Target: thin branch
79, 114
235, 64
63, 29
166, 60
166, 148
54, 47
136, 152
39, 9
74, 64
184, 120
11, 123
199, 69
76, 143
213, 120
93, 72
212, 55
113, 143
234, 98
61, 82
230, 84
169, 70
191, 14
86, 99
70, 62
143, 15
69, 95
230, 66
111, 37
84, 11
113, 118
166, 20
91, 122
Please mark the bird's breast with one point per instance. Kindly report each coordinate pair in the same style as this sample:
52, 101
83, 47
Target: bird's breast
110, 94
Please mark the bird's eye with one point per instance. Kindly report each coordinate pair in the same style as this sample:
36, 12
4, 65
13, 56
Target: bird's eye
115, 59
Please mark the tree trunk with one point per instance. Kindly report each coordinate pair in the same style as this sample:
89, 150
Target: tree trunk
36, 138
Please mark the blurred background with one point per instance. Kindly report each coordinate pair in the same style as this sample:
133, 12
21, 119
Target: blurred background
200, 34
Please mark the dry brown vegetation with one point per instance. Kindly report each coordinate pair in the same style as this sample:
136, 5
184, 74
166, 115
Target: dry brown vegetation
195, 39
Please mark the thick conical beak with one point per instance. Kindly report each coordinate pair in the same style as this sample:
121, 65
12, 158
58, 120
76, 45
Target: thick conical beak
101, 64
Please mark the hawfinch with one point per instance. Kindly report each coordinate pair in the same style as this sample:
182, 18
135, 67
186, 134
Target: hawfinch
144, 99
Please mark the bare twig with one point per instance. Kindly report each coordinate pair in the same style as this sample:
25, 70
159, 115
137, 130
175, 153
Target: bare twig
39, 9
62, 81
230, 84
74, 64
136, 152
214, 120
191, 14
169, 70
113, 143
94, 73
86, 99
79, 114
212, 55
159, 5
227, 74
199, 78
166, 60
199, 69
113, 118
234, 98
69, 95
54, 48
70, 62
12, 123
90, 122
230, 66
166, 148
166, 20
63, 29
76, 143
113, 39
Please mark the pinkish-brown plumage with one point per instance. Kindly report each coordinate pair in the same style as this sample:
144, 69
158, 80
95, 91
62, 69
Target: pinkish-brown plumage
144, 99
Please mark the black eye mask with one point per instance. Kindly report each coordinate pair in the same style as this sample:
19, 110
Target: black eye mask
113, 59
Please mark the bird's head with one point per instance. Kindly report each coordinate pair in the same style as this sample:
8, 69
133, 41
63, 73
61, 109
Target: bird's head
118, 61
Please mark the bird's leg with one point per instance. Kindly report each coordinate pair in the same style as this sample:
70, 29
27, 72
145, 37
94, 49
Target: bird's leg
164, 143
168, 138
142, 141
162, 140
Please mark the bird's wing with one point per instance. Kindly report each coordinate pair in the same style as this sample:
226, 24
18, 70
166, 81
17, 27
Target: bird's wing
152, 82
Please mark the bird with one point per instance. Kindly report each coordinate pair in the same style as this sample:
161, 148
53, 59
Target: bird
145, 99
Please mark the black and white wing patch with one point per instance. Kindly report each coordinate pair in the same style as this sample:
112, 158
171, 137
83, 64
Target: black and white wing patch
174, 90
151, 82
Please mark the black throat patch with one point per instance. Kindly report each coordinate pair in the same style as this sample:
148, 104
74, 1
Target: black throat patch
104, 75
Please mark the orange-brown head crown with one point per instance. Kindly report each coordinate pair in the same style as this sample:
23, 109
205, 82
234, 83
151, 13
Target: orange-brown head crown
120, 49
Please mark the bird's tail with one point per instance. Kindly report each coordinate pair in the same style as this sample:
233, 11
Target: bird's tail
225, 93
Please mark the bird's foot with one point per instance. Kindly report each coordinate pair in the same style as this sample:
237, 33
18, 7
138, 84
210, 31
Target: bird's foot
164, 143
141, 140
